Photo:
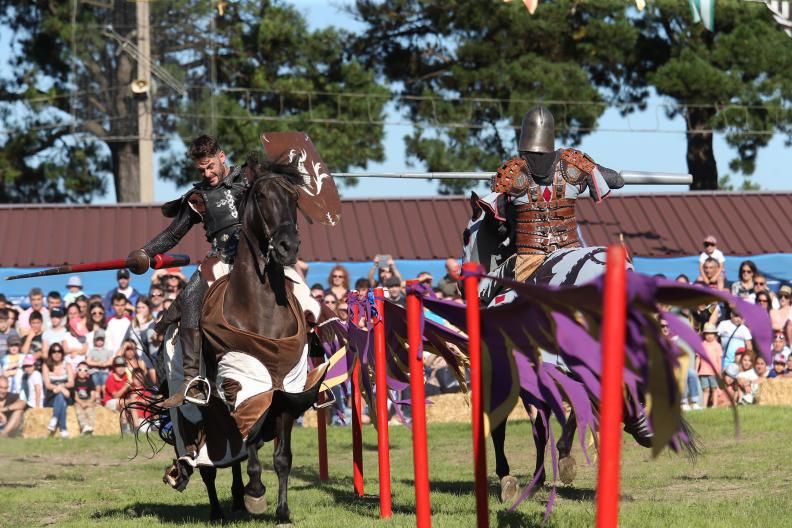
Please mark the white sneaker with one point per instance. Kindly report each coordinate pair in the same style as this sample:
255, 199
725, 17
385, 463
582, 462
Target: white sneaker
64, 434
53, 423
696, 407
685, 407
87, 430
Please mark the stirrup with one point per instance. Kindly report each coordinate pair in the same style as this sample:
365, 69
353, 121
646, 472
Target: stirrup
326, 403
197, 401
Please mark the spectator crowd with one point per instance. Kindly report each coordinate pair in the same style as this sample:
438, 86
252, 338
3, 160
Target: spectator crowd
85, 350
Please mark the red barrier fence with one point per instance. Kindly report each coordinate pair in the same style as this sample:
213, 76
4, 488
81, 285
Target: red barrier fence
614, 327
414, 307
381, 380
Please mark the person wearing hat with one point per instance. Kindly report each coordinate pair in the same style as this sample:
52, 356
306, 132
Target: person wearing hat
783, 313
99, 360
74, 286
117, 386
12, 364
32, 384
711, 251
124, 288
5, 331
709, 368
779, 366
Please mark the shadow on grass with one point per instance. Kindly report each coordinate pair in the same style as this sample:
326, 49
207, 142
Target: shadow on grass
167, 513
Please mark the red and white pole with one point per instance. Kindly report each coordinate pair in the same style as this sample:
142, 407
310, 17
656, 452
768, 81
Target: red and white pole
357, 420
474, 350
423, 511
614, 329
381, 380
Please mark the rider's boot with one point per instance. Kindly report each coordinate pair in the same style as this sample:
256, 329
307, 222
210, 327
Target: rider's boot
194, 389
638, 427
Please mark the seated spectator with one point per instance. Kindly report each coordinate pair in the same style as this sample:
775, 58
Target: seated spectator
137, 393
117, 326
55, 334
760, 367
746, 380
764, 301
12, 365
5, 332
32, 384
710, 274
779, 345
395, 291
156, 297
36, 305
76, 322
123, 288
780, 316
734, 335
682, 278
58, 381
136, 362
712, 252
139, 332
362, 287
317, 292
779, 366
743, 286
11, 409
708, 372
82, 304
172, 284
330, 301
13, 318
760, 285
448, 284
74, 286
788, 373
425, 278
342, 310
34, 339
84, 394
385, 268
338, 281
99, 360
54, 300
96, 321
731, 394
116, 389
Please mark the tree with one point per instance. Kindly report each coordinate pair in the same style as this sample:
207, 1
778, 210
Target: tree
736, 80
72, 120
577, 58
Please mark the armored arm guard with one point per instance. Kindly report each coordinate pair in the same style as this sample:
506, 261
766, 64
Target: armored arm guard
612, 178
183, 221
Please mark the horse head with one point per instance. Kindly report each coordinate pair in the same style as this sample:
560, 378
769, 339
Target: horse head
270, 213
486, 237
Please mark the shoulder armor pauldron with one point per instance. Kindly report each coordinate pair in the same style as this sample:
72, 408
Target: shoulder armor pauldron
171, 209
576, 166
513, 177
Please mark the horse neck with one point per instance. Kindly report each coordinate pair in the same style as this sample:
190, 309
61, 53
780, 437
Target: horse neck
254, 303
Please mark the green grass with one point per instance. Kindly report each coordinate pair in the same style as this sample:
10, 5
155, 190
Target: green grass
741, 482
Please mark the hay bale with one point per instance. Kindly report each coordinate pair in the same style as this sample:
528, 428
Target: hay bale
444, 408
36, 421
775, 391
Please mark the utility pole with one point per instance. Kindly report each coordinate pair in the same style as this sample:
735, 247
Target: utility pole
144, 105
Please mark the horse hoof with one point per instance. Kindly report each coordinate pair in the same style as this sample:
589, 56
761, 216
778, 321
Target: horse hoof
509, 489
255, 505
567, 469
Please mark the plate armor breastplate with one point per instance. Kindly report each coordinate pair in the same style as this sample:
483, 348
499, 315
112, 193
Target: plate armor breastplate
221, 213
547, 222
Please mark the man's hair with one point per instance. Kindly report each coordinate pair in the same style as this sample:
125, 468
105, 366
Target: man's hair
711, 259
53, 295
203, 147
35, 315
118, 297
362, 283
36, 291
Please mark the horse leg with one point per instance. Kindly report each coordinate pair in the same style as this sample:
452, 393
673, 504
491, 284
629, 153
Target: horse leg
237, 488
567, 467
282, 461
508, 484
208, 475
540, 435
255, 500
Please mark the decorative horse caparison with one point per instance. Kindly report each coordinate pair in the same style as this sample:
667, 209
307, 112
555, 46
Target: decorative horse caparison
486, 241
255, 347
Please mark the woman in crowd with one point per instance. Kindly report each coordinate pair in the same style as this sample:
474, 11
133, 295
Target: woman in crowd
75, 321
58, 381
746, 379
140, 330
760, 367
74, 345
743, 287
338, 281
134, 362
96, 319
763, 299
330, 301
783, 314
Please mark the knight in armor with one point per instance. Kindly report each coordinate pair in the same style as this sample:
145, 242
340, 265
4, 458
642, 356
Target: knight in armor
215, 202
541, 185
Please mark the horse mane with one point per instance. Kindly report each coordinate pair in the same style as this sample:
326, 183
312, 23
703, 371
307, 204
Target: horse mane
263, 168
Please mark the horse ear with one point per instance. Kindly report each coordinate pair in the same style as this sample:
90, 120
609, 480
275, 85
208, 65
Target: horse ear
475, 206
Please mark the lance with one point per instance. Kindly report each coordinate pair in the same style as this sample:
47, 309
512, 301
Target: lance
629, 177
164, 260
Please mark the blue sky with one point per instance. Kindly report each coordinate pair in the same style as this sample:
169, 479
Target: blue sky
619, 143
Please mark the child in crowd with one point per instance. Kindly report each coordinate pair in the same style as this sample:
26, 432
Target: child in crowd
711, 251
746, 379
99, 360
116, 390
709, 371
779, 366
12, 364
84, 394
732, 393
32, 384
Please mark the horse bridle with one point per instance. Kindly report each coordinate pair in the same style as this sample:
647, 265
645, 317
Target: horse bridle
268, 233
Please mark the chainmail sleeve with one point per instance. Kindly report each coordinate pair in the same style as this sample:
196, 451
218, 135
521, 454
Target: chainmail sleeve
166, 240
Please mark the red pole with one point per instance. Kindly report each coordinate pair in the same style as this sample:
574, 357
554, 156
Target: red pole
474, 350
614, 328
357, 420
423, 511
381, 371
321, 427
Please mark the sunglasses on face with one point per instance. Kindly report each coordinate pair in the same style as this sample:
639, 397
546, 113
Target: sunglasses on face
338, 276
330, 301
56, 351
746, 271
707, 244
757, 283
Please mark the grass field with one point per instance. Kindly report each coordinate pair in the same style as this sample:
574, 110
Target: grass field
741, 482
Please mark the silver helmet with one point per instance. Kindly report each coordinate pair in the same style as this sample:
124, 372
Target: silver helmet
538, 131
